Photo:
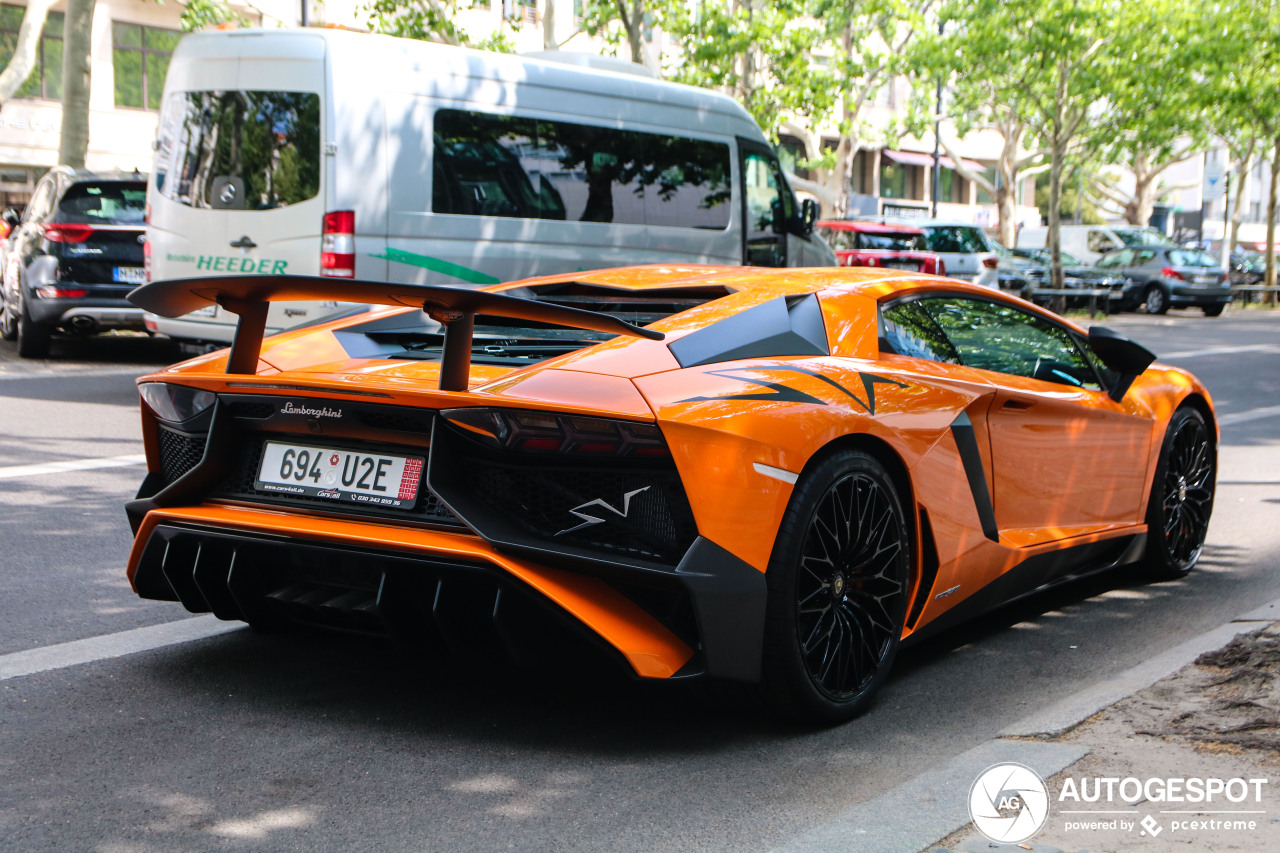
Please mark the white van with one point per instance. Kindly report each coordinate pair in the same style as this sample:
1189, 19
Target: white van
323, 152
1090, 242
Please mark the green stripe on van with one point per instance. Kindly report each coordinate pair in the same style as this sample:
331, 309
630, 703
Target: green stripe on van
470, 276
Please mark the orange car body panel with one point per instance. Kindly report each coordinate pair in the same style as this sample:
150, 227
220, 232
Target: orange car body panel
722, 427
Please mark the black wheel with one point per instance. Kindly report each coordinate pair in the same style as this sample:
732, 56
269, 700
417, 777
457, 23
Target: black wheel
33, 339
838, 587
1181, 496
8, 322
1157, 302
1212, 310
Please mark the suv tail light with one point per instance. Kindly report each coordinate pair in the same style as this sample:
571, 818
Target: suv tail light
338, 244
67, 232
991, 262
1170, 272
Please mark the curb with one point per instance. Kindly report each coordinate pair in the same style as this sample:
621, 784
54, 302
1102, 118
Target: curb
937, 798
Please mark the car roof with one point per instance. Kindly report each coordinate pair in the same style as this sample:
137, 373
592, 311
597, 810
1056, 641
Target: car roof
869, 227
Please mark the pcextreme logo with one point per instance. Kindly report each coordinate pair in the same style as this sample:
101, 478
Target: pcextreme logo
1008, 803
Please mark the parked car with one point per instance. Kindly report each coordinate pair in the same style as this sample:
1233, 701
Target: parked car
1247, 268
1164, 277
964, 247
878, 244
776, 480
1090, 242
1077, 275
74, 257
1017, 274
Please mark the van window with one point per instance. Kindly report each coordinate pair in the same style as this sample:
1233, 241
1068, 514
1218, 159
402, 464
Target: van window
1100, 241
508, 166
239, 150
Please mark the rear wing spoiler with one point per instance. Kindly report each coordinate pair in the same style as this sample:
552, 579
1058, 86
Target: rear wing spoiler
453, 308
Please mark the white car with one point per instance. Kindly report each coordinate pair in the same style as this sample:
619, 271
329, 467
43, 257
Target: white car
964, 247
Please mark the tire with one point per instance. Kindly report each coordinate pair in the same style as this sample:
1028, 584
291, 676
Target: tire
1181, 496
8, 322
1157, 302
33, 339
838, 588
1212, 310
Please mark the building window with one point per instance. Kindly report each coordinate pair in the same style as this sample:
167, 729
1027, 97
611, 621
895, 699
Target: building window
46, 75
140, 56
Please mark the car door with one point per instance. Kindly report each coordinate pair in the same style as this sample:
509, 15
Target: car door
1066, 459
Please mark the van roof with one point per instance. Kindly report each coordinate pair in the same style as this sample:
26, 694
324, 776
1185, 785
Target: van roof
400, 60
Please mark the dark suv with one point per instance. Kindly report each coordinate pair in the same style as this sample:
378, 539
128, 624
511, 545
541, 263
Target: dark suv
73, 257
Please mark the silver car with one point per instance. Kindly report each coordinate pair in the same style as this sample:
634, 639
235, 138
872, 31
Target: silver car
965, 248
1164, 277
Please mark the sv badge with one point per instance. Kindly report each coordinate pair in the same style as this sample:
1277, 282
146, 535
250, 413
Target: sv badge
588, 519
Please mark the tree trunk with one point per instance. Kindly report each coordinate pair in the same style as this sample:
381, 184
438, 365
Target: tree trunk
1244, 161
1271, 220
549, 25
1139, 209
23, 60
77, 42
1059, 154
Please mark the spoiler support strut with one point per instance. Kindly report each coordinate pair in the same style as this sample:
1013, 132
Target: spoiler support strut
454, 308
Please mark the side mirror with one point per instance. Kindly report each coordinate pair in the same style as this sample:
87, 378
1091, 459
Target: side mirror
808, 216
1123, 356
11, 217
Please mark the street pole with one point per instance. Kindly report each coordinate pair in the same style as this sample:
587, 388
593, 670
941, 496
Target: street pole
937, 140
303, 19
1226, 232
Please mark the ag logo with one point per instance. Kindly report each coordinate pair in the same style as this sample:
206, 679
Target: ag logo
1008, 803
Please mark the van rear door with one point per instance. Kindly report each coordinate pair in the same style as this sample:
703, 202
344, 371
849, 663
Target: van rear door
238, 186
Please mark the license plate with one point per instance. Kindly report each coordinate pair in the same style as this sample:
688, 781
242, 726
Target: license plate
207, 311
902, 265
1206, 279
129, 275
370, 479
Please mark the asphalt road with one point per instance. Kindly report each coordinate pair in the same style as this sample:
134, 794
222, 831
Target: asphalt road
248, 742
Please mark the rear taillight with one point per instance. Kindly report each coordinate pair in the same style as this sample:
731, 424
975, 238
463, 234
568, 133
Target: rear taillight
871, 262
49, 291
146, 260
991, 263
338, 244
67, 232
942, 267
539, 432
1170, 272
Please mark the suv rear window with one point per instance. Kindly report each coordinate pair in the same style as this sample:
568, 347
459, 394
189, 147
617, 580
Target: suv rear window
106, 203
967, 240
239, 150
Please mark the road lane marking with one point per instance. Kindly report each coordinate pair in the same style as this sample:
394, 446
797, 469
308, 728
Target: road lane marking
1249, 415
11, 471
7, 373
1196, 353
63, 655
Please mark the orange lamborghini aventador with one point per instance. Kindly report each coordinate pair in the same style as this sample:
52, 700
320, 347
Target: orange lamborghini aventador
772, 477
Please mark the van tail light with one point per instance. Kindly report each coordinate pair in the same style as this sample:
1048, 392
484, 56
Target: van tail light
1170, 272
338, 244
146, 260
67, 232
991, 262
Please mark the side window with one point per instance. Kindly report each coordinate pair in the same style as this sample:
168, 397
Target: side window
1101, 241
1001, 338
764, 199
907, 329
1116, 259
41, 202
524, 168
1143, 257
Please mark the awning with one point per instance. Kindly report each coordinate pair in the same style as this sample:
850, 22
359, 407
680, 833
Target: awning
915, 158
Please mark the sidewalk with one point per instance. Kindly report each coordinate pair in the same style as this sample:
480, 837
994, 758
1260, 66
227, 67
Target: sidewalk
1216, 718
